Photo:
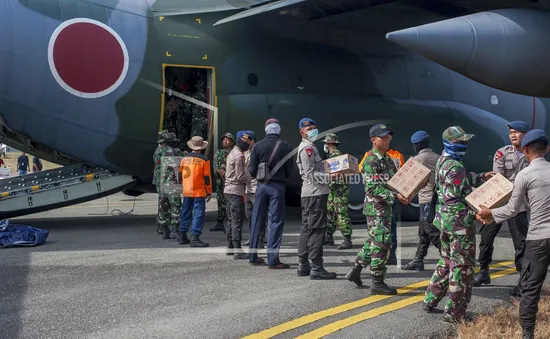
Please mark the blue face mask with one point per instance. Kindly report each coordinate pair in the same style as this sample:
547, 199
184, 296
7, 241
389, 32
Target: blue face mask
312, 134
456, 151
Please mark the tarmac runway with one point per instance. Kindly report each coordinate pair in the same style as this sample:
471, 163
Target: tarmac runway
105, 274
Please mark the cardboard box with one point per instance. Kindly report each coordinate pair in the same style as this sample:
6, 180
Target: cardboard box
410, 178
342, 164
494, 193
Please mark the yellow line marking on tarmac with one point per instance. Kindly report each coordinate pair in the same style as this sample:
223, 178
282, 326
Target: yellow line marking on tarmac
340, 324
313, 317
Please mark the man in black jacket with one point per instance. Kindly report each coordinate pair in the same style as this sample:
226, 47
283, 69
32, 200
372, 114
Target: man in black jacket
270, 193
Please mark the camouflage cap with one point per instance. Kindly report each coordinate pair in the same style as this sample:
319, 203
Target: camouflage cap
165, 136
331, 138
229, 136
456, 133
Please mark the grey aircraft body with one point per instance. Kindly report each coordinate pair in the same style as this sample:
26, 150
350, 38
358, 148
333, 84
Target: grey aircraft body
94, 81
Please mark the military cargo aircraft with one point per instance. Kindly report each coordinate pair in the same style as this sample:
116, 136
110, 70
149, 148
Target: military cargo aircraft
91, 82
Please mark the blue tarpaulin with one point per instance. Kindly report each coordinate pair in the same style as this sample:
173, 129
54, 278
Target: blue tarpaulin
12, 235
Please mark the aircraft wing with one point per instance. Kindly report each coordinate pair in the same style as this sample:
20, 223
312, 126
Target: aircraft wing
259, 10
183, 7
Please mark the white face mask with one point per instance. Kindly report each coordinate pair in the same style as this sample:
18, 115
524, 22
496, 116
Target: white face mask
312, 134
325, 148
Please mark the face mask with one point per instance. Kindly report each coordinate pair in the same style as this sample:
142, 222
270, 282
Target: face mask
312, 134
325, 148
243, 145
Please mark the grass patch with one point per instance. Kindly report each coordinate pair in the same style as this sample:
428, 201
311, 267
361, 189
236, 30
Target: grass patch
503, 322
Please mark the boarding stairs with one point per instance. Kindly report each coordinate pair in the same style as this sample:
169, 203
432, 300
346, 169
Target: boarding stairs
59, 187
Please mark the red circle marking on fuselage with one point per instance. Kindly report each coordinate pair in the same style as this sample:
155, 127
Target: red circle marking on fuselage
87, 57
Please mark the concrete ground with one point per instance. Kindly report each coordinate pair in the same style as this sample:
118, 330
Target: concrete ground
104, 273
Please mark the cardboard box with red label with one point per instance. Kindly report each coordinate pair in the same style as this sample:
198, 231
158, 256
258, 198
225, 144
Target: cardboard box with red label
410, 178
494, 193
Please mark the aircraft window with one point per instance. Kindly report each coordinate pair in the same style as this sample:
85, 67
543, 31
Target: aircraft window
494, 100
252, 79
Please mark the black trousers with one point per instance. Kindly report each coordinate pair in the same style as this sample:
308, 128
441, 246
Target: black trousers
236, 214
533, 273
518, 230
427, 233
314, 225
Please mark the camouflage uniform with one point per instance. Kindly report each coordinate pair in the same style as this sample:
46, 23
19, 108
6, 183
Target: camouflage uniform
377, 170
337, 206
158, 180
170, 193
220, 159
379, 199
455, 221
157, 156
199, 120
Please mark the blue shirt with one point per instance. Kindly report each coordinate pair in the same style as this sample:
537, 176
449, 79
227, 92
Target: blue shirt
22, 162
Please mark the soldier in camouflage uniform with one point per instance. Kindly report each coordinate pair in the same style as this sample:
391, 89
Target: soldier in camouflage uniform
378, 168
164, 138
337, 206
220, 159
455, 221
162, 148
170, 193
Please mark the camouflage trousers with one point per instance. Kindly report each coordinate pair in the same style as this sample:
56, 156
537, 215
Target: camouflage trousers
376, 249
337, 214
169, 211
222, 202
454, 272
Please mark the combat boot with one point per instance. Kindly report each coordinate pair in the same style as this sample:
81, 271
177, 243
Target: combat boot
196, 242
482, 277
329, 239
346, 244
380, 287
304, 268
238, 251
219, 227
528, 333
165, 232
417, 264
319, 273
354, 275
183, 238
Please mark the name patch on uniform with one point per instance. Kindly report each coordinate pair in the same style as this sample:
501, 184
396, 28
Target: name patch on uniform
499, 155
309, 151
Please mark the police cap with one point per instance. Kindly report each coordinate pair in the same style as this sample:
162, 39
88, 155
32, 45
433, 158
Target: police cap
251, 134
379, 130
306, 122
419, 136
519, 126
243, 135
534, 136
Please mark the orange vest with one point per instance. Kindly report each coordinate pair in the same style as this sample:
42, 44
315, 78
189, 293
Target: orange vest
395, 154
196, 179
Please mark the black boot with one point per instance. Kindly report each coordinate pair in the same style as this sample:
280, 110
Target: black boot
354, 275
380, 287
392, 259
319, 273
329, 240
304, 268
482, 277
182, 238
230, 248
196, 242
528, 333
238, 252
346, 244
219, 227
165, 232
417, 264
